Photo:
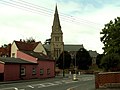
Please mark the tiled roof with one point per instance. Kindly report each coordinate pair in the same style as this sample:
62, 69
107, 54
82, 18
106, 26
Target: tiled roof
14, 60
26, 46
38, 55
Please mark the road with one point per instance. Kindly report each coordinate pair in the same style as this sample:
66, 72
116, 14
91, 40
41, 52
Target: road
84, 82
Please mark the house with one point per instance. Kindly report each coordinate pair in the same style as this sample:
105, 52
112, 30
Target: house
12, 69
27, 65
46, 65
22, 45
27, 61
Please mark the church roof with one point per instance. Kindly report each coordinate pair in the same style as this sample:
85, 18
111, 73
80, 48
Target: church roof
67, 47
72, 47
47, 47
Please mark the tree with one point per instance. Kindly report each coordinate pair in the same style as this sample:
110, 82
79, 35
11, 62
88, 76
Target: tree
110, 61
83, 59
67, 60
111, 36
111, 40
4, 46
98, 60
29, 40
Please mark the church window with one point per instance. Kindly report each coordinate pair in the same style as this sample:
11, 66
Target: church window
57, 52
56, 38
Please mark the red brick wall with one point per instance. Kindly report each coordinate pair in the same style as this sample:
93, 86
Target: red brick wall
109, 77
42, 64
28, 72
46, 65
1, 68
11, 72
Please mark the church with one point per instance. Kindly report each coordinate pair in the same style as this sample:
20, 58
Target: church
56, 45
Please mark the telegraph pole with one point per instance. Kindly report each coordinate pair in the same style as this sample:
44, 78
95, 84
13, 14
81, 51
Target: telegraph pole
63, 62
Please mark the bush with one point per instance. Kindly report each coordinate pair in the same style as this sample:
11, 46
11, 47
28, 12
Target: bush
110, 61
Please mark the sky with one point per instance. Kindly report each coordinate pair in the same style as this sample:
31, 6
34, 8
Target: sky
81, 20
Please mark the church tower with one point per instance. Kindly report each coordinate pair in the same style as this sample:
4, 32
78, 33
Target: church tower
56, 37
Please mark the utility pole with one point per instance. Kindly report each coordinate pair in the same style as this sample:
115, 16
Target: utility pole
75, 64
63, 61
75, 68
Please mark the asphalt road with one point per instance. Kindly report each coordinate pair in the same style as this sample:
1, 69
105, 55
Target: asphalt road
84, 82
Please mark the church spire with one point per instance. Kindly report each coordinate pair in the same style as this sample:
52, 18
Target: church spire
56, 43
56, 11
56, 21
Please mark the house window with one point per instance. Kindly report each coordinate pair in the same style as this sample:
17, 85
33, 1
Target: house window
22, 70
48, 71
34, 71
13, 54
41, 71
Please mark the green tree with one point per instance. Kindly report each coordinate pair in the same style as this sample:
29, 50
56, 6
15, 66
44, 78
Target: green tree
110, 61
111, 36
67, 60
83, 59
111, 40
98, 60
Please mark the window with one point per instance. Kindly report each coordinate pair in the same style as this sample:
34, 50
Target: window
13, 54
48, 71
41, 71
22, 70
56, 38
34, 71
57, 52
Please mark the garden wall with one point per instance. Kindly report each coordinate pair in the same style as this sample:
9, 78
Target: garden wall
107, 79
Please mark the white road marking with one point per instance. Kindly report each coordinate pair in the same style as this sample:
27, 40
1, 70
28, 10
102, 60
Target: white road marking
34, 85
41, 86
30, 86
16, 88
58, 82
70, 81
47, 85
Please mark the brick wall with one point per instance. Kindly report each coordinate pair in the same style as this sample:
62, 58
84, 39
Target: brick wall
106, 78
